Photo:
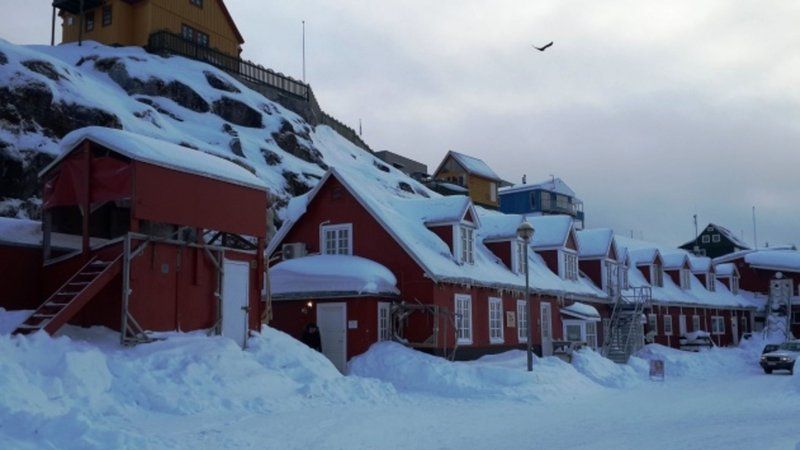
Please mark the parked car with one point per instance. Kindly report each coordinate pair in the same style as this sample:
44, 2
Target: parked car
783, 358
696, 340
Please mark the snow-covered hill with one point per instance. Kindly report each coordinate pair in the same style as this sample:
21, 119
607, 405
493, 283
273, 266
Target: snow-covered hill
46, 92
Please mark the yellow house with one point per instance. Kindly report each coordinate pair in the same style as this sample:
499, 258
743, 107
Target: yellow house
473, 174
131, 22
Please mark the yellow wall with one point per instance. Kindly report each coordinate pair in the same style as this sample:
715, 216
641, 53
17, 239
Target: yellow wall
133, 24
480, 189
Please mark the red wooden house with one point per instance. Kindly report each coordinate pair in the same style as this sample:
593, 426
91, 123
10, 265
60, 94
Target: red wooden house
170, 238
459, 287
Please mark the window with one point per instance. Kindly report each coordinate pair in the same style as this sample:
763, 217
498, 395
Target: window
712, 282
70, 21
735, 285
705, 239
519, 257
495, 320
106, 15
570, 266
657, 276
384, 321
612, 278
606, 329
686, 282
574, 331
533, 201
336, 239
89, 21
202, 39
717, 325
652, 323
795, 317
624, 277
744, 323
682, 324
198, 3
522, 321
545, 201
668, 325
493, 192
463, 318
715, 238
187, 32
467, 244
591, 334
695, 323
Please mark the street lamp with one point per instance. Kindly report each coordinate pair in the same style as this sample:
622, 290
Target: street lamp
525, 232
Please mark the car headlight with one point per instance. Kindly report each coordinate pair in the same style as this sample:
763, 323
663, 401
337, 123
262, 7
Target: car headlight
786, 359
763, 358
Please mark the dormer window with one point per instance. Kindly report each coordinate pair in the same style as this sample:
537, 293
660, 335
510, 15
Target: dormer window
711, 284
569, 266
518, 257
336, 239
657, 275
735, 284
612, 278
686, 282
466, 244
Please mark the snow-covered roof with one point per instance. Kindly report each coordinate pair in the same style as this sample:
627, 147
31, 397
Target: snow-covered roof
556, 185
725, 270
446, 209
700, 264
159, 153
26, 232
496, 227
640, 256
674, 260
595, 242
581, 311
471, 165
723, 231
331, 274
781, 258
405, 220
550, 231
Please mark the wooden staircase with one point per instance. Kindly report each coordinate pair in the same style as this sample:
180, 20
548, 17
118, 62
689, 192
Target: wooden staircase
72, 296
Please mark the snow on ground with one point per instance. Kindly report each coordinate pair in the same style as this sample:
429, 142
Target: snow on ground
82, 390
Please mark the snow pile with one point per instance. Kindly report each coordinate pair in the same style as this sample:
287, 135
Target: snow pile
72, 394
10, 320
713, 362
331, 273
605, 372
501, 376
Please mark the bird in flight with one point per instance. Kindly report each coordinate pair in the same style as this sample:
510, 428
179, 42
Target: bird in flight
541, 49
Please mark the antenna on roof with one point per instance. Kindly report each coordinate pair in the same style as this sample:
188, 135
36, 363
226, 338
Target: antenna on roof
755, 236
359, 127
524, 179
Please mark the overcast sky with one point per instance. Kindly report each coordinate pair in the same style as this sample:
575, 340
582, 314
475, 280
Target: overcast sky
652, 111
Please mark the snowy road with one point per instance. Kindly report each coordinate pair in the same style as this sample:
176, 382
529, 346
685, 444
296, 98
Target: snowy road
732, 412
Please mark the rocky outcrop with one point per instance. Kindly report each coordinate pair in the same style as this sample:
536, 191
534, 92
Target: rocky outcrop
218, 83
42, 68
286, 138
237, 112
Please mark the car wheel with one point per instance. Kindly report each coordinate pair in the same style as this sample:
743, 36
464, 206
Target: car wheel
767, 371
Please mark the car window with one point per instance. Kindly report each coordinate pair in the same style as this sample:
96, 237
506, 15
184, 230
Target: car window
791, 346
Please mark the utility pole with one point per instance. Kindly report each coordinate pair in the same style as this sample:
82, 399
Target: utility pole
53, 28
304, 51
755, 236
359, 127
525, 231
696, 236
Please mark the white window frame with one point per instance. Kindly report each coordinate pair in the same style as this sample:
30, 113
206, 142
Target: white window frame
384, 321
496, 335
743, 324
686, 282
657, 275
336, 228
796, 317
581, 324
652, 323
518, 256
591, 334
668, 331
464, 243
522, 321
717, 325
493, 192
696, 324
711, 282
705, 239
734, 284
682, 330
715, 238
463, 312
569, 265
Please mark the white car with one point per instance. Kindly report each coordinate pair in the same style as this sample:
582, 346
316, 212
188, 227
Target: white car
783, 358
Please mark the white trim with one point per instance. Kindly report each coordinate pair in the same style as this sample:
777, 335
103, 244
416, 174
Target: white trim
496, 301
460, 316
667, 319
384, 328
716, 321
522, 337
468, 256
697, 325
652, 323
336, 228
682, 329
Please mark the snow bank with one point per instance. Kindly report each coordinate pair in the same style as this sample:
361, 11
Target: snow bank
331, 273
713, 362
10, 320
64, 393
501, 376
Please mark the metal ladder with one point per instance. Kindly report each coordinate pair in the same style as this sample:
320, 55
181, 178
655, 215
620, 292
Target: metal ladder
624, 334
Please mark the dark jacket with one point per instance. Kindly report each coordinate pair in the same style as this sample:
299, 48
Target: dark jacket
312, 339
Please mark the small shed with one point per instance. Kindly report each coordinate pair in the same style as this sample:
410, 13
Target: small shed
181, 235
348, 297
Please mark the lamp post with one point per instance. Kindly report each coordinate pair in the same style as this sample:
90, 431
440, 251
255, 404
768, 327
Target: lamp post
525, 232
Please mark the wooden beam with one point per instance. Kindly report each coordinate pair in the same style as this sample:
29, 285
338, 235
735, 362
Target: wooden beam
86, 201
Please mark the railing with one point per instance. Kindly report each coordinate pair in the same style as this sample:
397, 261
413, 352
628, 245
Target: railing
168, 42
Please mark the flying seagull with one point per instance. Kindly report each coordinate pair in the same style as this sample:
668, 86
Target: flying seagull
541, 49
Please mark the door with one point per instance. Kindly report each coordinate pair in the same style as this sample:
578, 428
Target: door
547, 328
332, 322
735, 330
682, 324
235, 300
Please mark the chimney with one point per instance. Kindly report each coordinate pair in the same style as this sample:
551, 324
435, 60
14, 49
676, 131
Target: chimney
524, 179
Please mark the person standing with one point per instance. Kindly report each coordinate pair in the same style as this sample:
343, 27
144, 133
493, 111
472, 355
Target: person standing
311, 337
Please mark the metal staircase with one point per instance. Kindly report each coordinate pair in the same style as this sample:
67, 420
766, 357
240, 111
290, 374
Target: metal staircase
624, 335
71, 297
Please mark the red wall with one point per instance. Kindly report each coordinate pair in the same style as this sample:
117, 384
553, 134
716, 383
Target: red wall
20, 277
550, 258
593, 269
705, 314
445, 233
502, 250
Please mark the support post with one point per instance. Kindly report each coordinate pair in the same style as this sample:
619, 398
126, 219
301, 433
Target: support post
530, 311
126, 290
53, 28
47, 227
87, 196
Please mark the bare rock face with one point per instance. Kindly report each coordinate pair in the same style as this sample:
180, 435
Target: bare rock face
19, 176
42, 68
3, 59
286, 138
237, 112
154, 87
294, 185
218, 83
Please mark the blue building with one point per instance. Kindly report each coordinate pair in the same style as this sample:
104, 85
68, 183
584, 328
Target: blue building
550, 197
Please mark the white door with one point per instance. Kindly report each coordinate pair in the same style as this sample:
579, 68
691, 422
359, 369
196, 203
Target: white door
682, 324
547, 328
735, 330
235, 300
384, 321
332, 322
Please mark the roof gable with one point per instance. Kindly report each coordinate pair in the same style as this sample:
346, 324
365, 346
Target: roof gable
551, 231
471, 165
